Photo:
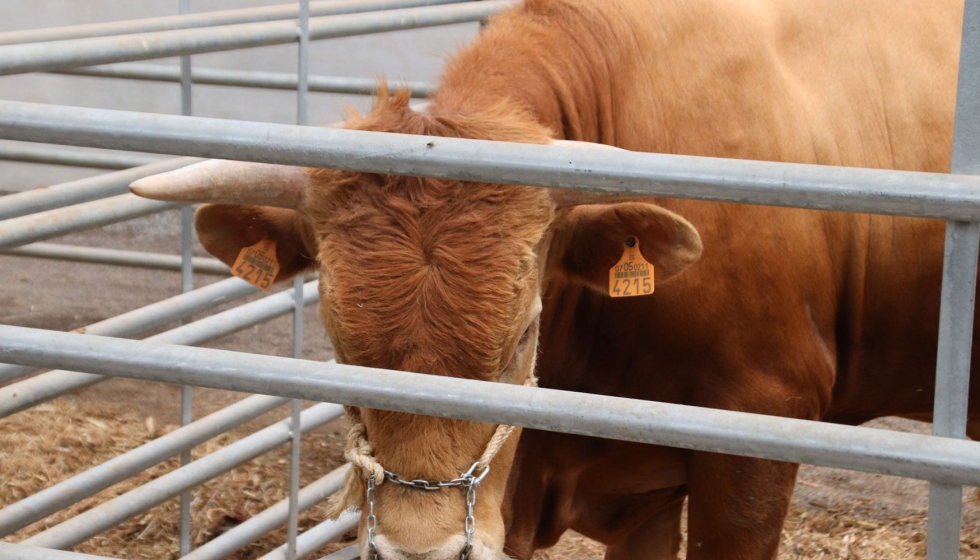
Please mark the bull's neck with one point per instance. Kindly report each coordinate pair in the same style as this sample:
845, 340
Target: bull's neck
560, 79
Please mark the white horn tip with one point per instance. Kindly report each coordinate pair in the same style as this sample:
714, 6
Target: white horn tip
149, 187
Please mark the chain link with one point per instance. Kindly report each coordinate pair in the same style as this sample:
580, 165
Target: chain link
372, 521
469, 525
464, 479
469, 480
421, 484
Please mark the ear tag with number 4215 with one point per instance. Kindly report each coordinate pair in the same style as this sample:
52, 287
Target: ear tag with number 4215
632, 275
258, 264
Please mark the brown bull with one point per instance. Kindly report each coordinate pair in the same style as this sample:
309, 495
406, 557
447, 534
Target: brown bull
795, 313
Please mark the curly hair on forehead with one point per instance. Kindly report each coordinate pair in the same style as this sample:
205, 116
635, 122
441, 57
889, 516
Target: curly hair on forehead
429, 275
499, 120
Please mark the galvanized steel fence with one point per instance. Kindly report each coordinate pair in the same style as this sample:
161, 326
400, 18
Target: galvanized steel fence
946, 459
34, 216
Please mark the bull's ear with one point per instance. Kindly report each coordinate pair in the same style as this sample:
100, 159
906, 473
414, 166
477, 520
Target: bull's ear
224, 230
590, 239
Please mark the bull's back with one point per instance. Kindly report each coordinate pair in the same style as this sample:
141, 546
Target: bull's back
864, 84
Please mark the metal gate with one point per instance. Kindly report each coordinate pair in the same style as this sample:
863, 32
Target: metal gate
946, 459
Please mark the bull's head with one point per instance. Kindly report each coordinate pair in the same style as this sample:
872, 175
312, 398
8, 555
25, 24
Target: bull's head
432, 276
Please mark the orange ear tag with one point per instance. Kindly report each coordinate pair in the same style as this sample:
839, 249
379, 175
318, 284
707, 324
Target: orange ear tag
632, 275
258, 264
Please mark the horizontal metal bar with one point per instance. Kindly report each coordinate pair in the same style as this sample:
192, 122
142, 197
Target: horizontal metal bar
622, 172
25, 394
237, 78
53, 223
754, 435
99, 255
18, 515
109, 514
36, 57
207, 19
83, 190
57, 155
11, 551
352, 552
317, 536
10, 372
150, 317
258, 525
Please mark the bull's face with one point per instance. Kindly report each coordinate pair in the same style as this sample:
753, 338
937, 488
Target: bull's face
429, 276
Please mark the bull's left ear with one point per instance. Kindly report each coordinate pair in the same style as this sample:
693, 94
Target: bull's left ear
226, 229
590, 239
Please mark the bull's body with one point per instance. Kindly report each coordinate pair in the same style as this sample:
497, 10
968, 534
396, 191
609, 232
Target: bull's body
796, 313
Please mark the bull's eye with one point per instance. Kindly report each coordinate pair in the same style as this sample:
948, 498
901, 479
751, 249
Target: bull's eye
522, 344
529, 332
525, 337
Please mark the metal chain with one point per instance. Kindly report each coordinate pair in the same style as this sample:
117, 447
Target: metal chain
372, 521
423, 484
469, 525
469, 480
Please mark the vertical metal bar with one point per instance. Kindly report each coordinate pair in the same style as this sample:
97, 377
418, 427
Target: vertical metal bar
302, 86
293, 519
303, 64
953, 379
958, 294
956, 329
187, 284
186, 417
298, 317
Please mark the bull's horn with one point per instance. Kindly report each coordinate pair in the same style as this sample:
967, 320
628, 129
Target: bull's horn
228, 182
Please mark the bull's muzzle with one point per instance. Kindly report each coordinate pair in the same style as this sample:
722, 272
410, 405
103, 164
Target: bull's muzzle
452, 549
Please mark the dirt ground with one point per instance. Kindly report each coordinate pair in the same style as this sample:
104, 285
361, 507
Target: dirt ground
835, 514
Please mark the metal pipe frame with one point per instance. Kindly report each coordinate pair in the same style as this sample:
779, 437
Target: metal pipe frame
148, 318
118, 257
268, 520
18, 515
352, 552
618, 172
293, 505
317, 536
10, 551
58, 55
933, 458
947, 462
57, 155
186, 285
957, 304
61, 221
109, 514
953, 379
237, 78
207, 19
83, 190
31, 392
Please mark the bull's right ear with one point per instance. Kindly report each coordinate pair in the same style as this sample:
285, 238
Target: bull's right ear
589, 239
226, 229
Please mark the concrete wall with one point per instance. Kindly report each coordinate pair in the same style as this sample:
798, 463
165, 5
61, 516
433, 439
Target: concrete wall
414, 55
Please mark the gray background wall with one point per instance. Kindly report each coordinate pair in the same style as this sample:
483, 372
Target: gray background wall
413, 55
